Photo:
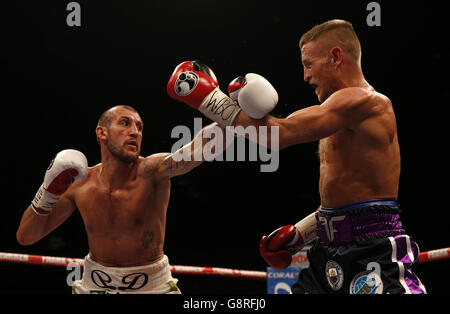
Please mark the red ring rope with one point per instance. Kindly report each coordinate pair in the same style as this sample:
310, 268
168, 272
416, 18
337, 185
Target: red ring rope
176, 269
432, 255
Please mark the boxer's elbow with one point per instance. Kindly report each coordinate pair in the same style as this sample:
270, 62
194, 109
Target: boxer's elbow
23, 239
25, 236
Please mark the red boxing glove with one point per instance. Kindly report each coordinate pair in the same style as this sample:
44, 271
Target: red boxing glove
278, 247
196, 85
191, 82
235, 86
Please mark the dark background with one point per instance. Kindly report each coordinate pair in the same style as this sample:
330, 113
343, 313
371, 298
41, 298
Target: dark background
57, 81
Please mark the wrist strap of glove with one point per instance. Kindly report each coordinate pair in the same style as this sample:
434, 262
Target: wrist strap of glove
307, 228
219, 107
44, 202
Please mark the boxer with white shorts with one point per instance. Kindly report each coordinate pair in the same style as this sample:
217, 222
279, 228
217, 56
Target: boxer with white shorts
154, 278
123, 203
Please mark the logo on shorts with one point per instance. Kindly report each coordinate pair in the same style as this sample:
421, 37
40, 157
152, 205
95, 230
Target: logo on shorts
366, 282
133, 281
334, 274
186, 83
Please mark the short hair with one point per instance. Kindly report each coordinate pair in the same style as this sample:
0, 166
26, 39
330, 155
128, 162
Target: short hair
106, 117
343, 33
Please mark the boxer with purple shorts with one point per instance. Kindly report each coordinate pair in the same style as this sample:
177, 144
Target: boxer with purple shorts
360, 243
361, 248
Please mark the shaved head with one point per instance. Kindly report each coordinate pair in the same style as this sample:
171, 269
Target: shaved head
335, 33
106, 116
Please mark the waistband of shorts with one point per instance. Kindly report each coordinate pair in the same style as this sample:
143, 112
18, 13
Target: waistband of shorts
125, 279
379, 201
360, 221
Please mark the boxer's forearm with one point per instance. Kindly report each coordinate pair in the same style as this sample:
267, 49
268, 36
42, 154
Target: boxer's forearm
31, 227
34, 227
244, 120
271, 133
202, 148
305, 125
175, 164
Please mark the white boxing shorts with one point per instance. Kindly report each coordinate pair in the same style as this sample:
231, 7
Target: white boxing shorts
154, 278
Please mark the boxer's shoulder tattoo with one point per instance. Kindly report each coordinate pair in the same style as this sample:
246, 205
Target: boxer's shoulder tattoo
149, 168
170, 164
175, 165
151, 164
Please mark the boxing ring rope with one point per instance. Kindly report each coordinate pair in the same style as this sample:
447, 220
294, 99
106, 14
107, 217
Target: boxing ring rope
434, 255
176, 269
428, 256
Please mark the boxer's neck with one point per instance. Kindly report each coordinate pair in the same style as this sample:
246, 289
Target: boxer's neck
352, 76
115, 173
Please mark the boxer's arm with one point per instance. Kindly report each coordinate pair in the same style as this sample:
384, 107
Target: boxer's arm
67, 169
278, 247
167, 165
34, 227
343, 109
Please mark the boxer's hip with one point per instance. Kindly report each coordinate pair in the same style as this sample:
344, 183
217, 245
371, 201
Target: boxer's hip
361, 248
152, 278
360, 221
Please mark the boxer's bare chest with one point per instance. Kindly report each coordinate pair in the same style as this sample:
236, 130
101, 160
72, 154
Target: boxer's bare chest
130, 206
335, 148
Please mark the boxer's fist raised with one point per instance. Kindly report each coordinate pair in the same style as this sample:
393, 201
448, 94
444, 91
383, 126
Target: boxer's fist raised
191, 82
278, 247
254, 94
195, 84
68, 166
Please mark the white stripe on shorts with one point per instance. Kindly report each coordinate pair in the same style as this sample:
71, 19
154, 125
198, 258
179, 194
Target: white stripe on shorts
401, 267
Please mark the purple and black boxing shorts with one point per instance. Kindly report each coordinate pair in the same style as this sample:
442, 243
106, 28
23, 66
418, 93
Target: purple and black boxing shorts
361, 248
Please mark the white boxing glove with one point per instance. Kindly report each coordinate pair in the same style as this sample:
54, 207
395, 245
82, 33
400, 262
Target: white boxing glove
67, 166
254, 94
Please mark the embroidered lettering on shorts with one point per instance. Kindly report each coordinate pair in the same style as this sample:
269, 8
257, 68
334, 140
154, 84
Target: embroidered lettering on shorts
133, 281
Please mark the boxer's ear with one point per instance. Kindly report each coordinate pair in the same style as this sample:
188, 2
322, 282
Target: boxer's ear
336, 54
101, 132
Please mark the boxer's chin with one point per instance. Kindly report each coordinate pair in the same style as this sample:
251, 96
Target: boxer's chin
128, 158
124, 155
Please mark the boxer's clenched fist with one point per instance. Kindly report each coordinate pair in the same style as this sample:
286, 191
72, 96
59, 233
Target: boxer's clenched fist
68, 166
196, 85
